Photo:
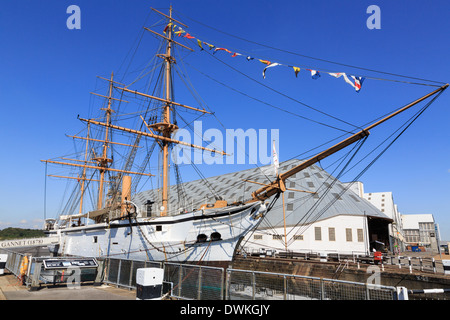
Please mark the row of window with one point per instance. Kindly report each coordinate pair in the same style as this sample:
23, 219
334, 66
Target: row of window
318, 235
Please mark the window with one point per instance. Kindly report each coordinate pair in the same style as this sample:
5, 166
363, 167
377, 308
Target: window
158, 228
348, 234
298, 237
318, 233
290, 207
331, 234
360, 235
257, 237
291, 195
277, 237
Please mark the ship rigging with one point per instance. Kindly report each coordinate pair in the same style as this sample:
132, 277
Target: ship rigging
223, 221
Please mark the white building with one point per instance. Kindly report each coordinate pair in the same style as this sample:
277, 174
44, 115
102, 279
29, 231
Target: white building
421, 231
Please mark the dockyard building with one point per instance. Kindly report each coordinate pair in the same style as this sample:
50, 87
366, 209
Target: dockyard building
320, 214
421, 232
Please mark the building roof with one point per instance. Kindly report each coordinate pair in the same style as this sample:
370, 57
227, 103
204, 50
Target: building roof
332, 198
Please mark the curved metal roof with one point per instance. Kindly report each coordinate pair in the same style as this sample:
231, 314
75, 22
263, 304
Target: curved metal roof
332, 198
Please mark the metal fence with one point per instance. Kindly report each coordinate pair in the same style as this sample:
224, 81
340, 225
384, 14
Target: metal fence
195, 282
253, 285
422, 264
122, 272
13, 261
183, 281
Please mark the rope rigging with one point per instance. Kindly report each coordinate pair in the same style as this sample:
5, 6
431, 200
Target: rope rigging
148, 109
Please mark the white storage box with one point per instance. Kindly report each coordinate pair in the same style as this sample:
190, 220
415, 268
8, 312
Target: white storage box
3, 259
149, 283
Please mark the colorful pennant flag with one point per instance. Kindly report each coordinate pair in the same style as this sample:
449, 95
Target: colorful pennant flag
167, 27
356, 83
270, 65
222, 49
336, 75
199, 44
211, 46
296, 70
187, 35
265, 61
179, 32
314, 74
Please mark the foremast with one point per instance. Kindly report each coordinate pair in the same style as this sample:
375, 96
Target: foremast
162, 131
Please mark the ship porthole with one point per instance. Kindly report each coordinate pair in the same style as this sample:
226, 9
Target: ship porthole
215, 236
202, 237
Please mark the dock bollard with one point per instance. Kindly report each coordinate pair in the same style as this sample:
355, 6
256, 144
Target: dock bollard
149, 283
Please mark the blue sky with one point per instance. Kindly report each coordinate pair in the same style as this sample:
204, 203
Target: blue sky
48, 71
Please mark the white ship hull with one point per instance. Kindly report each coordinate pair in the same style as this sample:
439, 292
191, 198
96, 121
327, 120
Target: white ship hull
209, 235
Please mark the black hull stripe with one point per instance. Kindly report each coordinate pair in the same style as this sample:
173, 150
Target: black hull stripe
134, 224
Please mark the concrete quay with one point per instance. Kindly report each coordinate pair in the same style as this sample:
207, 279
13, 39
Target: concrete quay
12, 289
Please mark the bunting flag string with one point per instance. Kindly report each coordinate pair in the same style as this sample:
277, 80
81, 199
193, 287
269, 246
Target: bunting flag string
355, 81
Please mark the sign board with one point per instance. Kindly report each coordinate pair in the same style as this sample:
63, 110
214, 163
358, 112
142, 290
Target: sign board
28, 242
53, 264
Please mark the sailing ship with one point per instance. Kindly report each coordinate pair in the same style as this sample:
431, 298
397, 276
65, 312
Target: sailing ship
207, 232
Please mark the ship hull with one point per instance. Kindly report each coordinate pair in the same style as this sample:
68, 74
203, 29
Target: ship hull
202, 236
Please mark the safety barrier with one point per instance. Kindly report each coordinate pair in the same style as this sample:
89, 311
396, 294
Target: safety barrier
429, 294
186, 281
253, 285
411, 263
182, 281
194, 281
122, 272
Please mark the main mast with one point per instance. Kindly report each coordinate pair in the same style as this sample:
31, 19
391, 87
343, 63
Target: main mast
168, 128
103, 160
